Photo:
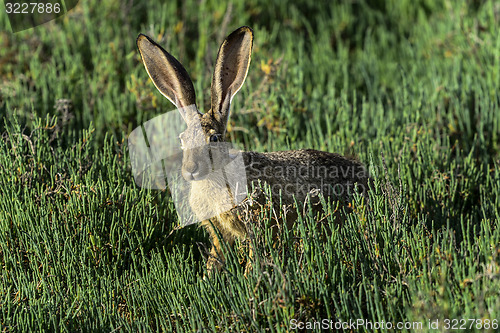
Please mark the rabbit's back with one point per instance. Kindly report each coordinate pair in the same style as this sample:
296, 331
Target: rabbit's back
293, 175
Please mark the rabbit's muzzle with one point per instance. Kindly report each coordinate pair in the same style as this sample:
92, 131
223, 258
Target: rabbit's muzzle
200, 162
196, 164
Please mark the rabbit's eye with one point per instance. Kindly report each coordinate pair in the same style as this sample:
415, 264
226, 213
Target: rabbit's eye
181, 142
215, 138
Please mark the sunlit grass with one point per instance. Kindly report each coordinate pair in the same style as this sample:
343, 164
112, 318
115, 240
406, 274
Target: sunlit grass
409, 88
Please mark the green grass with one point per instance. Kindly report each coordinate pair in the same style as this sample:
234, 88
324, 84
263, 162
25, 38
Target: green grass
412, 88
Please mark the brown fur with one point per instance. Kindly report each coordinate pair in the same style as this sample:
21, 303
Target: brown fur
297, 176
305, 170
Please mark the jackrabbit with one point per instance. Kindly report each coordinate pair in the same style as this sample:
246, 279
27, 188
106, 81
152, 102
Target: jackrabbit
292, 177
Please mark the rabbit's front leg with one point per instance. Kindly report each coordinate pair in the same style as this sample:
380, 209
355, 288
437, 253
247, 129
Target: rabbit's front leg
218, 234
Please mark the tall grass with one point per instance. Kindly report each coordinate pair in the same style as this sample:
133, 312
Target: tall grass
409, 87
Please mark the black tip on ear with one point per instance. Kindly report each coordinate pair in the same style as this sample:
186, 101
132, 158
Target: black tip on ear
143, 37
245, 28
140, 37
240, 31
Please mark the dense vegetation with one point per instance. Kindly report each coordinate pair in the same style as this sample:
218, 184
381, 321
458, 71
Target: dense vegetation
411, 88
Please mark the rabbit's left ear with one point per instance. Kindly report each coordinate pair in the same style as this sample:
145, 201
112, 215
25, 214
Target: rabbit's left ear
230, 71
167, 73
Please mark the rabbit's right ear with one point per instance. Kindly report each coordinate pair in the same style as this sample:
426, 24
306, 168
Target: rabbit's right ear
167, 73
230, 71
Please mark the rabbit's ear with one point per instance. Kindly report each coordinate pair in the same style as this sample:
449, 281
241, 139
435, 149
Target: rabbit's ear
230, 71
167, 73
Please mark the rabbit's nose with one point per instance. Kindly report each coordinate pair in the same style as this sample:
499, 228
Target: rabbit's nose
191, 167
190, 171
